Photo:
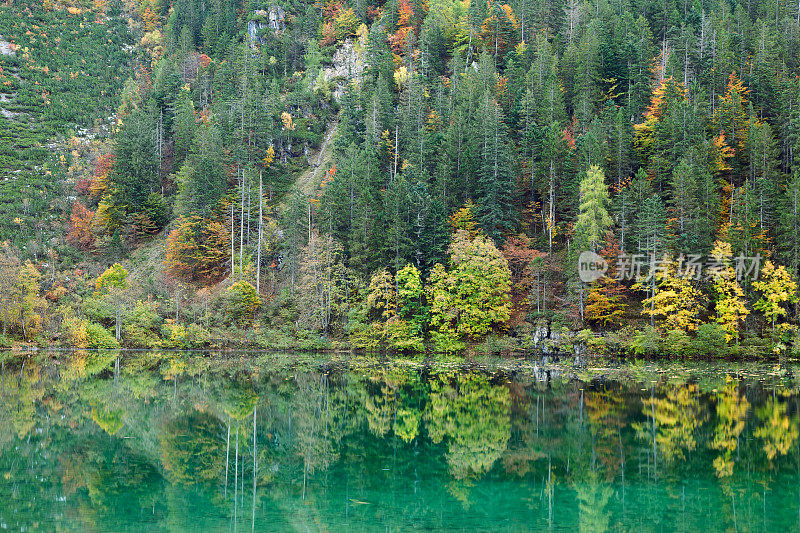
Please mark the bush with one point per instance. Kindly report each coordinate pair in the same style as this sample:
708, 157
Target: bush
618, 340
99, 337
275, 339
710, 341
183, 337
5, 342
597, 345
74, 330
677, 343
309, 340
141, 325
98, 309
402, 336
755, 347
241, 303
646, 341
496, 345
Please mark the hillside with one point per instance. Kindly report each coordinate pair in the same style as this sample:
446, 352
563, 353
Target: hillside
401, 175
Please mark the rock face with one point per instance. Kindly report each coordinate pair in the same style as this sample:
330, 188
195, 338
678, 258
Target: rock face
6, 48
273, 18
347, 66
550, 340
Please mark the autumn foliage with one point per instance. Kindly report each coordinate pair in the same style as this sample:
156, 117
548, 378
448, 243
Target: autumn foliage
80, 227
197, 250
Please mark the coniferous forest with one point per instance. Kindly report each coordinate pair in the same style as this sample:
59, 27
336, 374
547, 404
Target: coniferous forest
401, 175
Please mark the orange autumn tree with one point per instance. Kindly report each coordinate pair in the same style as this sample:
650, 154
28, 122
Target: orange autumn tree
405, 16
730, 117
98, 184
655, 137
330, 11
605, 303
197, 250
80, 227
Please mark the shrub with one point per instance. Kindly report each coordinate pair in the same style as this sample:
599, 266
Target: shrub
241, 303
99, 337
646, 341
401, 335
677, 343
183, 337
710, 341
141, 325
496, 345
597, 345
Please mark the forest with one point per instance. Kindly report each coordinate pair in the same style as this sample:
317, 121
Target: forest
401, 176
290, 447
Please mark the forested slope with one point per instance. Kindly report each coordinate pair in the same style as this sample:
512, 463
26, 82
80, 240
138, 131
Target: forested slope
404, 174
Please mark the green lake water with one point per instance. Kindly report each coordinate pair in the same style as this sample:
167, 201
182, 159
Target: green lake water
269, 444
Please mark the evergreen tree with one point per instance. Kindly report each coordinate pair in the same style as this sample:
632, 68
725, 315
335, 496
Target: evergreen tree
593, 219
136, 171
495, 179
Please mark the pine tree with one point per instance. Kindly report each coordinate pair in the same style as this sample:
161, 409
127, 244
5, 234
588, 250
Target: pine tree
201, 179
136, 170
789, 242
683, 208
593, 219
495, 180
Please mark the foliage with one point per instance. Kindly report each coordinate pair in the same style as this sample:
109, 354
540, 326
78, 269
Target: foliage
472, 295
593, 218
242, 301
730, 305
99, 337
777, 288
675, 301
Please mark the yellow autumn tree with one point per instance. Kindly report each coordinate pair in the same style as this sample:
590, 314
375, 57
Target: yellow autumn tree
778, 430
675, 301
777, 288
464, 219
382, 294
27, 305
677, 415
732, 410
730, 304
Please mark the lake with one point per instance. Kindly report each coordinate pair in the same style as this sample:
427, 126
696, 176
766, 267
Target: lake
258, 442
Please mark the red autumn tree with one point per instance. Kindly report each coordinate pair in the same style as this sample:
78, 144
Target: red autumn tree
605, 303
524, 261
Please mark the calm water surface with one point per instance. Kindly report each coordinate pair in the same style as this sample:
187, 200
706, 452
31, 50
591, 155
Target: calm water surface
248, 445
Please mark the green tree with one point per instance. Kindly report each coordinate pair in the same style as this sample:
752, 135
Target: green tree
27, 304
112, 286
472, 295
242, 302
593, 219
136, 171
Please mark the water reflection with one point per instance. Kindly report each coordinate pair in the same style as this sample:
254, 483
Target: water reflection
180, 442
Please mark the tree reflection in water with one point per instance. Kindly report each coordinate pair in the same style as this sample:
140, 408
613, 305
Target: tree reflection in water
174, 441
